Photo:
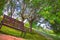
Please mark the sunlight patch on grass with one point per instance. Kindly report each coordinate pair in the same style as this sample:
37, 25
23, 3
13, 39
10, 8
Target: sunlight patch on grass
11, 31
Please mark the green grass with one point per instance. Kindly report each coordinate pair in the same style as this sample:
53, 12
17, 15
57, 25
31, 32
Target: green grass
29, 36
50, 33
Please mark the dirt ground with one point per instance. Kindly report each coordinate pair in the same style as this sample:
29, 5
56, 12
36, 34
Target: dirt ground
8, 37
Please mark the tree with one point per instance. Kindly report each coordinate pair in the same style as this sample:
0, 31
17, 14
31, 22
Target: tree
34, 9
50, 11
28, 11
2, 3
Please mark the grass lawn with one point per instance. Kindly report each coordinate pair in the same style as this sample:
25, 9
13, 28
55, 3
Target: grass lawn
29, 36
50, 33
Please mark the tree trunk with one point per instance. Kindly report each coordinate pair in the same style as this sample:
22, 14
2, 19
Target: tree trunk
12, 8
30, 30
11, 13
22, 11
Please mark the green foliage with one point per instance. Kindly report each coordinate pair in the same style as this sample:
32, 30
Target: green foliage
34, 25
1, 12
26, 1
2, 3
58, 14
36, 3
27, 24
1, 18
50, 11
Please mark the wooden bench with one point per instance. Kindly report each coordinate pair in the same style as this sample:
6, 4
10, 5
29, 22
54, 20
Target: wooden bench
13, 23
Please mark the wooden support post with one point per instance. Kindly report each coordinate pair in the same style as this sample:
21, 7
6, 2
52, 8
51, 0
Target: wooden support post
21, 34
0, 25
24, 34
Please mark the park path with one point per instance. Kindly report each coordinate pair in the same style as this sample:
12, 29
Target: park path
8, 37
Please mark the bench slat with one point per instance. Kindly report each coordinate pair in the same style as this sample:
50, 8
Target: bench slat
13, 23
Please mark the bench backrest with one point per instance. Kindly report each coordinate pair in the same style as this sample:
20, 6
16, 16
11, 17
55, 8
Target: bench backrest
13, 23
